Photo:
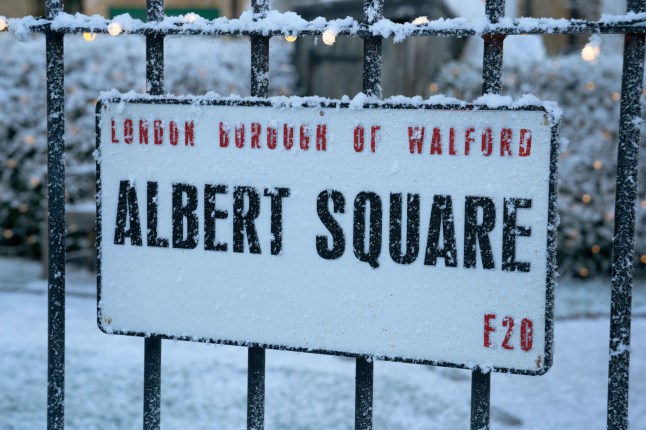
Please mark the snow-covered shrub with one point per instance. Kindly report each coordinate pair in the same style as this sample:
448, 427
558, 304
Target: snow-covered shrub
220, 65
589, 95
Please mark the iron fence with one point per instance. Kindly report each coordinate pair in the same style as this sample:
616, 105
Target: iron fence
493, 32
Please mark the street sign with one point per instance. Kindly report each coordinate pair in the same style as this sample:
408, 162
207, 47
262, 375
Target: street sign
408, 233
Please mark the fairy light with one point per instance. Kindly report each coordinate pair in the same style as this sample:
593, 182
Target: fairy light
590, 85
420, 20
290, 38
590, 53
3, 23
586, 198
433, 87
329, 37
616, 96
643, 204
584, 272
89, 37
8, 234
23, 208
596, 249
115, 29
643, 259
597, 164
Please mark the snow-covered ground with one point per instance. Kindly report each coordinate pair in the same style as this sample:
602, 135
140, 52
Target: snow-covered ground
204, 386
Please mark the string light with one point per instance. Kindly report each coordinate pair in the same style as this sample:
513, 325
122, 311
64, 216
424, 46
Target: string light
586, 198
643, 204
597, 165
3, 23
590, 85
290, 38
8, 234
433, 87
584, 272
89, 37
616, 96
420, 20
596, 249
643, 259
115, 29
329, 37
592, 49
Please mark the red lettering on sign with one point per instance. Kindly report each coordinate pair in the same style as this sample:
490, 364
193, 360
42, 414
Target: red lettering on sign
509, 323
415, 139
373, 137
114, 132
305, 138
452, 142
358, 138
436, 142
272, 134
143, 132
487, 142
159, 132
255, 135
189, 133
505, 142
526, 334
525, 142
488, 329
288, 136
173, 132
128, 131
468, 139
321, 137
224, 136
239, 136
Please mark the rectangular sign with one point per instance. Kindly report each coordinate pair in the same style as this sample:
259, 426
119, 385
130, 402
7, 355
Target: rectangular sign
417, 234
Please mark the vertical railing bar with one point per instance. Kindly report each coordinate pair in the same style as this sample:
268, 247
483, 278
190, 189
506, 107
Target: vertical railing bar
624, 233
491, 84
364, 393
55, 222
256, 356
256, 389
153, 345
373, 11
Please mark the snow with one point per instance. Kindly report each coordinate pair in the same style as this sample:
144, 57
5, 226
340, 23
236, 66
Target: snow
204, 386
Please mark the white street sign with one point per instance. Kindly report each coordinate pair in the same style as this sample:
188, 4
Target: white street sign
399, 232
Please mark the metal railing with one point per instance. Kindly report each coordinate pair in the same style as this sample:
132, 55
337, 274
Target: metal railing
633, 25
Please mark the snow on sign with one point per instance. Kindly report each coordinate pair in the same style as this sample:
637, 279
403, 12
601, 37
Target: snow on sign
410, 233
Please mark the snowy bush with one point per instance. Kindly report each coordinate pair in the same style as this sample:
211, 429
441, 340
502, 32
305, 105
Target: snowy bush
220, 65
589, 95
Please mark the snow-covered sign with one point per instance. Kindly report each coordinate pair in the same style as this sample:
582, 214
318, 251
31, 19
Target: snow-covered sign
418, 233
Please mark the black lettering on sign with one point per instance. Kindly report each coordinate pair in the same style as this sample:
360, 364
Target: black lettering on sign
185, 212
243, 220
338, 238
412, 228
441, 224
276, 195
211, 214
127, 210
475, 233
371, 255
509, 233
152, 205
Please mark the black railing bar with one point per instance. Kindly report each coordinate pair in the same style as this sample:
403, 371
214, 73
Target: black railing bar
397, 31
55, 223
153, 345
624, 232
373, 11
491, 84
256, 356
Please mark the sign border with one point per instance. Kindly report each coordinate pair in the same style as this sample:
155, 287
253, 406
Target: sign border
551, 223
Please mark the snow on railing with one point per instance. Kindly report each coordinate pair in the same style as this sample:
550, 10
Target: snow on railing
275, 23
